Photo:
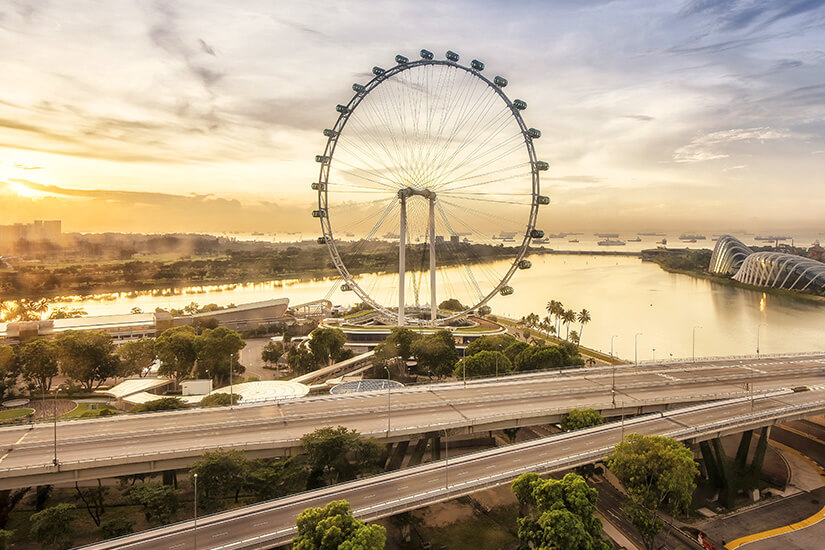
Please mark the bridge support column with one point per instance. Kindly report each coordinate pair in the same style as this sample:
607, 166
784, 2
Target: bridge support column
710, 464
435, 449
742, 452
397, 456
418, 451
728, 488
759, 455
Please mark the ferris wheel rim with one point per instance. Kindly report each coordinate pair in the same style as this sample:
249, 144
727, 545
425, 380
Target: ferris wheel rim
328, 156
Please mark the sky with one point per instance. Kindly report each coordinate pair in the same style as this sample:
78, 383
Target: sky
206, 116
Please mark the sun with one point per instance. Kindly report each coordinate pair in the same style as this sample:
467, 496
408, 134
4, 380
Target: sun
14, 176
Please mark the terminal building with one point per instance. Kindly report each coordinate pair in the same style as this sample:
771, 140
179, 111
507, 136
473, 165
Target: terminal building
133, 326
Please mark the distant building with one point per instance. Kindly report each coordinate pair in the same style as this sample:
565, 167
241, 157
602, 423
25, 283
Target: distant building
132, 326
455, 239
39, 231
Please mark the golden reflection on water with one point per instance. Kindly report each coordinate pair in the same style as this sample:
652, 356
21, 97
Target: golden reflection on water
763, 302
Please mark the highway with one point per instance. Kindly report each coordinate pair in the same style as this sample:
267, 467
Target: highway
272, 523
88, 449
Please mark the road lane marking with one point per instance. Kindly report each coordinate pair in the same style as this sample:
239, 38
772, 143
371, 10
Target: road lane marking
259, 524
220, 534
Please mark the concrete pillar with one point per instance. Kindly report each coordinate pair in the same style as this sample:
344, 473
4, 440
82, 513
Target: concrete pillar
728, 489
759, 455
397, 456
435, 449
742, 452
418, 452
710, 464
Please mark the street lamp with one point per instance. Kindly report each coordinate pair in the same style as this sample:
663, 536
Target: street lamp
757, 336
55, 423
693, 348
195, 530
636, 348
654, 355
231, 368
446, 461
613, 366
388, 399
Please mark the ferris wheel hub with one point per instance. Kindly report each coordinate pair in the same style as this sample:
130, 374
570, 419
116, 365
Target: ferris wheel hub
410, 192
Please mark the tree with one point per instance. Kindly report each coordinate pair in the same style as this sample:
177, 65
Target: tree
52, 527
23, 309
558, 513
116, 528
94, 499
269, 479
436, 352
162, 404
326, 344
338, 454
159, 502
452, 305
540, 357
272, 352
578, 419
220, 399
8, 500
87, 357
136, 356
575, 338
513, 350
568, 316
38, 362
6, 539
217, 353
494, 342
221, 474
483, 363
659, 474
8, 369
399, 343
66, 312
584, 318
300, 360
555, 308
334, 527
177, 352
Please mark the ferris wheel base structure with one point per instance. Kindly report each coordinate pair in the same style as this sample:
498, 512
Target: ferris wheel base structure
433, 131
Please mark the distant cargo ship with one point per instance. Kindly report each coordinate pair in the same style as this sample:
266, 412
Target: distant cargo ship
771, 238
612, 242
689, 237
636, 240
607, 235
573, 241
556, 235
505, 236
652, 234
663, 241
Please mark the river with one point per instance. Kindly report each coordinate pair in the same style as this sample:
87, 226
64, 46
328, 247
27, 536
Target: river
624, 295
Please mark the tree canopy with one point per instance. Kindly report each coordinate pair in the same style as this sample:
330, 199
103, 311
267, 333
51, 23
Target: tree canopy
493, 342
159, 502
8, 369
221, 474
38, 362
399, 343
87, 357
217, 352
483, 363
334, 528
327, 344
545, 357
52, 527
561, 514
177, 352
578, 419
338, 454
162, 404
136, 356
659, 474
436, 352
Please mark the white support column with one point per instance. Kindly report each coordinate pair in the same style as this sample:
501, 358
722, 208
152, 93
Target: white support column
433, 304
402, 261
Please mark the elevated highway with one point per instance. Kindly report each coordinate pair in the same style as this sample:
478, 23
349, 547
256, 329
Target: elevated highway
129, 444
270, 524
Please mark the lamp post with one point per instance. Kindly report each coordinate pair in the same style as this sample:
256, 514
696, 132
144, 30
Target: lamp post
231, 368
464, 365
613, 366
54, 410
654, 355
195, 530
388, 399
446, 461
636, 348
757, 355
693, 347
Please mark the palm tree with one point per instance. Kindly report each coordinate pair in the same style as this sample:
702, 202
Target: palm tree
568, 316
584, 318
555, 308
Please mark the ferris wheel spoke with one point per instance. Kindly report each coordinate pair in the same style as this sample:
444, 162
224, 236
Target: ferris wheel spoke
387, 160
510, 173
485, 164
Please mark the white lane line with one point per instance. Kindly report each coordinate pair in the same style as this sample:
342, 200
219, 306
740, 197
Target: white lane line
177, 545
220, 534
668, 377
22, 437
259, 524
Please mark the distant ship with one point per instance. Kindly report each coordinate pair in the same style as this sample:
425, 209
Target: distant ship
537, 241
612, 242
771, 238
636, 240
573, 241
607, 235
652, 234
505, 236
663, 241
391, 236
556, 235
689, 237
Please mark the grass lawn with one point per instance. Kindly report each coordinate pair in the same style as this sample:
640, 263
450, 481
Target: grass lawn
479, 532
15, 413
83, 411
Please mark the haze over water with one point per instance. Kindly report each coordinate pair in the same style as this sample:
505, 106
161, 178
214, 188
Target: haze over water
623, 295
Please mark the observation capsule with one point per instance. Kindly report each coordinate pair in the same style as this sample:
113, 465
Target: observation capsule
477, 65
525, 264
452, 56
499, 81
542, 166
520, 104
316, 186
341, 108
485, 310
536, 234
506, 290
401, 60
330, 133
533, 133
542, 199
346, 288
321, 240
358, 88
322, 159
378, 71
426, 54
319, 213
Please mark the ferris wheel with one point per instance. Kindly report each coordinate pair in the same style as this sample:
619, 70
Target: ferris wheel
430, 157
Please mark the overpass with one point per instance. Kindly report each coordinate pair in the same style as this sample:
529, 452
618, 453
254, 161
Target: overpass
131, 444
272, 523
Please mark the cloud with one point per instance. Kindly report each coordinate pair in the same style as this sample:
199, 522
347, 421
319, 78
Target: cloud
644, 118
711, 146
206, 47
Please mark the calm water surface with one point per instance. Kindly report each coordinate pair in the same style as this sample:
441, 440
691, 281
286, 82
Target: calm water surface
624, 296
